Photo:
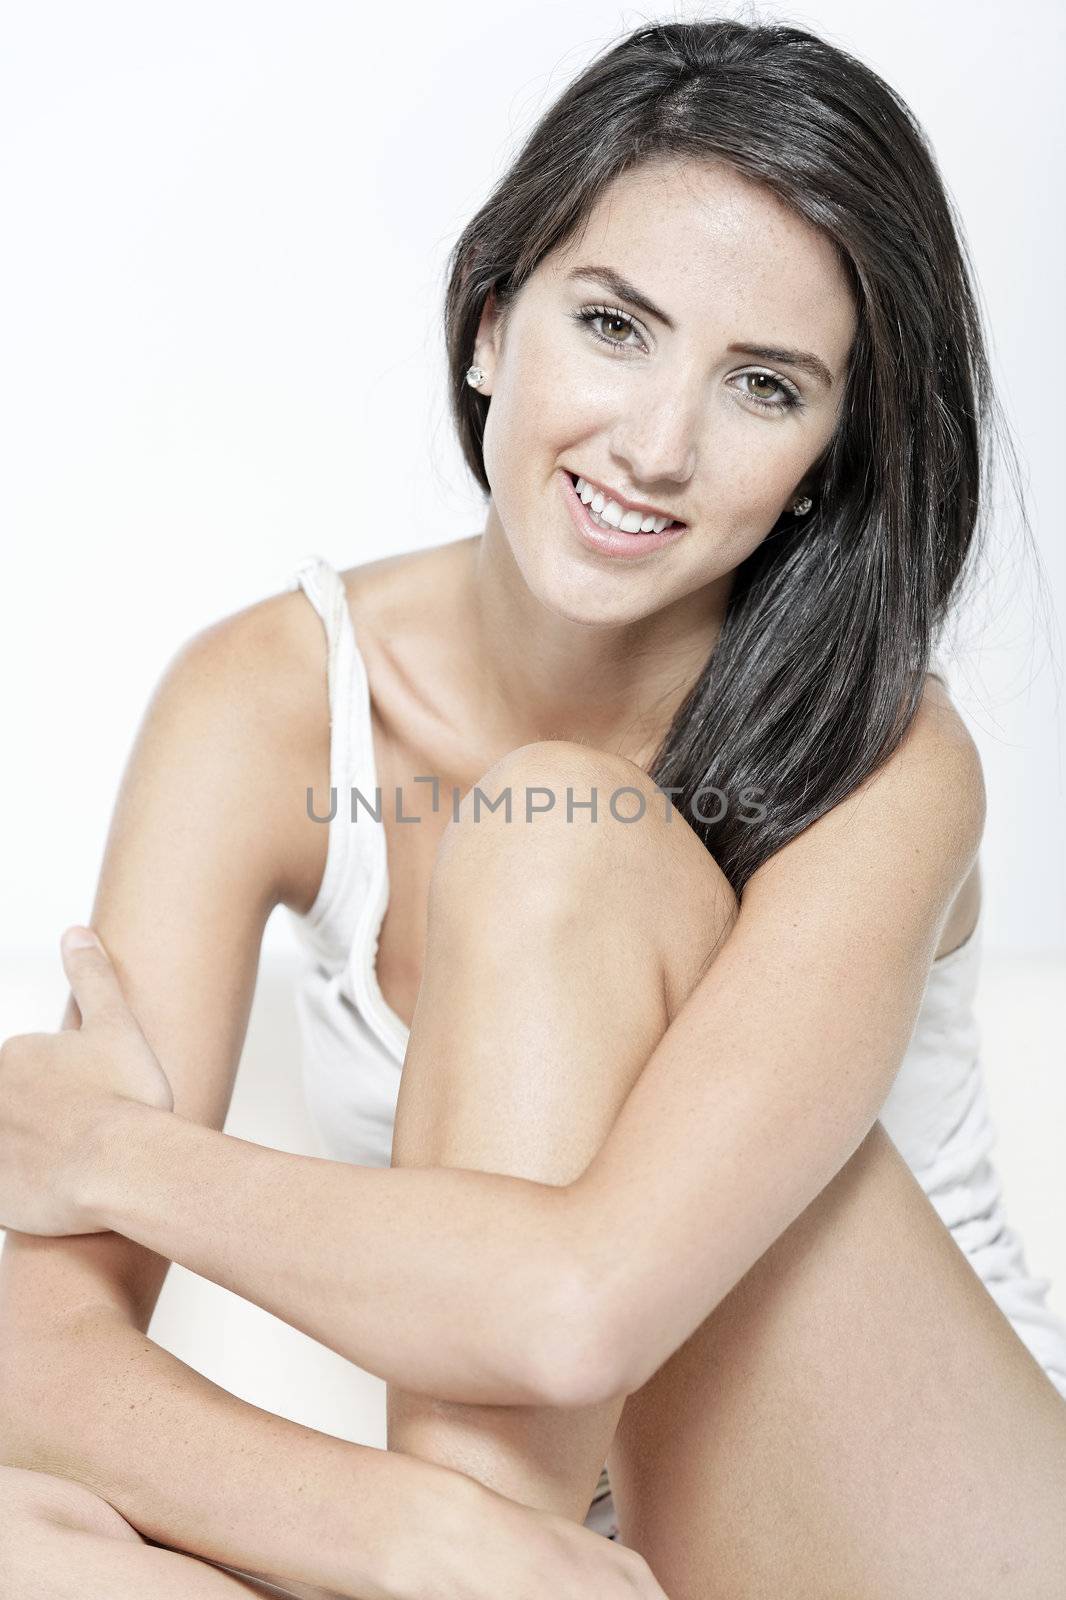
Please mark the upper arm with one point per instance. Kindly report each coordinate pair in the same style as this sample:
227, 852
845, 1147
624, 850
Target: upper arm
200, 849
776, 1067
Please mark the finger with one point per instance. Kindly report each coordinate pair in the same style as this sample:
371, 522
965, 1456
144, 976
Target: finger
93, 980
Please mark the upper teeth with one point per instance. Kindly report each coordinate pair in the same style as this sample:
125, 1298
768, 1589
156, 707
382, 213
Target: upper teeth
611, 511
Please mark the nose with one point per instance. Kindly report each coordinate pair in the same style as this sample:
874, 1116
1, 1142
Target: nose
655, 438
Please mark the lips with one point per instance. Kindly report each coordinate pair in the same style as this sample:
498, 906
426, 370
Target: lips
675, 522
628, 549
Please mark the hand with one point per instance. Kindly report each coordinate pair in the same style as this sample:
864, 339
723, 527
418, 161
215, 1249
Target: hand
59, 1092
469, 1543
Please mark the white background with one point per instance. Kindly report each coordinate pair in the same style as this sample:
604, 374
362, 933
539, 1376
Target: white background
225, 232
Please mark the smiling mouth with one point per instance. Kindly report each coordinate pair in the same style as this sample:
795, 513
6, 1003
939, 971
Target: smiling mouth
673, 522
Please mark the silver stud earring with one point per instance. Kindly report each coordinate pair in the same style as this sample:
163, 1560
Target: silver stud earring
802, 505
474, 376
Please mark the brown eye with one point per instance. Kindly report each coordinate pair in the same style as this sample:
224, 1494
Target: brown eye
624, 335
771, 386
777, 394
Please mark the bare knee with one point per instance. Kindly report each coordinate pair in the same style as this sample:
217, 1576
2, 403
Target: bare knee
605, 836
554, 824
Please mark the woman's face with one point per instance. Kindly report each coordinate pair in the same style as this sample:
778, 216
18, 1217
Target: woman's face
676, 417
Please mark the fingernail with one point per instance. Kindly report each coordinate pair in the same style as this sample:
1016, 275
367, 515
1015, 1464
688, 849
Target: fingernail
77, 938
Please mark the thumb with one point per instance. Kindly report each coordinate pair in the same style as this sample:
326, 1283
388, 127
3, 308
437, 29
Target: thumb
93, 980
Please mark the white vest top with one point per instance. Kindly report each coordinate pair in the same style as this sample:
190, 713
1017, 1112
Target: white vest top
353, 1043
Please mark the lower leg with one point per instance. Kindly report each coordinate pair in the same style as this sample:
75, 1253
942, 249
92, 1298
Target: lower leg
543, 996
59, 1541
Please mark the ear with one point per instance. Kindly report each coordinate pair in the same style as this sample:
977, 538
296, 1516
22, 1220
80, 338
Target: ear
489, 340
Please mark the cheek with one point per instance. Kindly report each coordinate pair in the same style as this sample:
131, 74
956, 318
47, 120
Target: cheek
530, 396
556, 394
762, 462
536, 365
540, 415
748, 486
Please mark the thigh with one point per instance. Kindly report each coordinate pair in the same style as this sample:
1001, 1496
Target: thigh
856, 1419
60, 1541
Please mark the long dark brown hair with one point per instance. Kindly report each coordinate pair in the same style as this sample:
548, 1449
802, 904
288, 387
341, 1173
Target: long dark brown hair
833, 621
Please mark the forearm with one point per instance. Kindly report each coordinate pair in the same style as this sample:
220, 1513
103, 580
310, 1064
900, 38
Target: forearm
455, 1283
192, 1466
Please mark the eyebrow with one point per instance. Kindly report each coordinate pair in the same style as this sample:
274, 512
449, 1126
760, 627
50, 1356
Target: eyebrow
608, 278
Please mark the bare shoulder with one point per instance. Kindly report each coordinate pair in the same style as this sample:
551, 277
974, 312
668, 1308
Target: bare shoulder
905, 842
939, 758
940, 762
932, 783
264, 668
259, 678
401, 594
253, 686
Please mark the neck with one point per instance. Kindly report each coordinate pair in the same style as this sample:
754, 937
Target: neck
541, 675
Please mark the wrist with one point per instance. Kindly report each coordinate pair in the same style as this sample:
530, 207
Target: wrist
432, 1513
413, 1517
105, 1171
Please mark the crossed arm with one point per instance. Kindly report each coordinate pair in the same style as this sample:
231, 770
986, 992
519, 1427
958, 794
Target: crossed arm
765, 1082
764, 1085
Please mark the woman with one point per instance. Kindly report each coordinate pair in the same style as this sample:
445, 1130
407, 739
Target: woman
721, 285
